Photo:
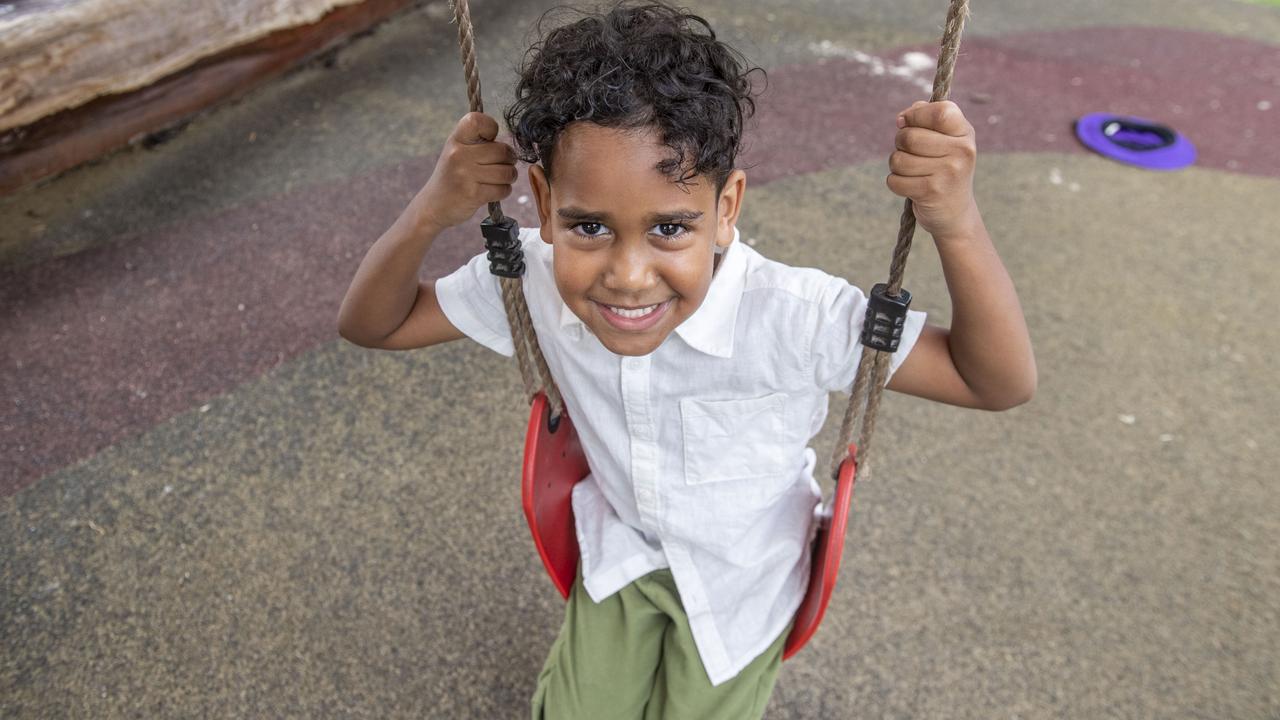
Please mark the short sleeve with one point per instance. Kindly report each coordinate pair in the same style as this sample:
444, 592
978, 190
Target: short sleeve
835, 349
471, 298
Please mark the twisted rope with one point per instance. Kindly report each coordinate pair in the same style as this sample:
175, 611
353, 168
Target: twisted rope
873, 367
534, 372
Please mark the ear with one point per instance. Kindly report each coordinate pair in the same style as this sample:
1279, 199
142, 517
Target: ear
728, 205
542, 198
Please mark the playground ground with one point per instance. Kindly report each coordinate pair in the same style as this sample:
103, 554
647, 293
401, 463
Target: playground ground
212, 506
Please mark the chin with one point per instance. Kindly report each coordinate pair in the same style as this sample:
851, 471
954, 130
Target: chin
632, 346
621, 342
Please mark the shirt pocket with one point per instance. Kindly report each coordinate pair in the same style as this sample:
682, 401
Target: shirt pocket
735, 439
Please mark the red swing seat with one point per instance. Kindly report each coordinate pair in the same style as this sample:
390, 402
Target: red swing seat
554, 463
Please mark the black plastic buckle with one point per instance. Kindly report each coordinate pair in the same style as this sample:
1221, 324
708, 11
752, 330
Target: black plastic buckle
886, 316
502, 240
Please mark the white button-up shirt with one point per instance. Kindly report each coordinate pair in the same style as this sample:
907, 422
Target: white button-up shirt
698, 450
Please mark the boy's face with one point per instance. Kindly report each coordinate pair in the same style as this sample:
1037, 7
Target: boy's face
634, 251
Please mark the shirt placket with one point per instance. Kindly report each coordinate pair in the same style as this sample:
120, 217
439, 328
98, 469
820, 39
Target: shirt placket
643, 435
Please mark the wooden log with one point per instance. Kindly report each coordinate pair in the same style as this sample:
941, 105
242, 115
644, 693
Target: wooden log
65, 138
62, 54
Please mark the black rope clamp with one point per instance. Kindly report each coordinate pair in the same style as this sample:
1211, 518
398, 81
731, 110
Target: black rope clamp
502, 240
886, 316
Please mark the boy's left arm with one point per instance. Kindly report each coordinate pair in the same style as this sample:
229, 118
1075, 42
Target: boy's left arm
984, 360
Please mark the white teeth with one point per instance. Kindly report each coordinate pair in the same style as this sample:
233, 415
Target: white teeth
637, 313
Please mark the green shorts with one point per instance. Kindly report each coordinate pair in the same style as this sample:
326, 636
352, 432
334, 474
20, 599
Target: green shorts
632, 657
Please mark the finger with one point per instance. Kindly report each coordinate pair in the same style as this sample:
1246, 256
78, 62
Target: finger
496, 174
495, 154
908, 165
909, 187
494, 193
476, 127
902, 113
922, 142
944, 117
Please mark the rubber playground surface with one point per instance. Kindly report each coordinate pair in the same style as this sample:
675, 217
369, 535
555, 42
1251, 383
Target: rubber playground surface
211, 505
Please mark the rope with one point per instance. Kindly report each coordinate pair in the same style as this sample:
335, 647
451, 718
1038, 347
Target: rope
534, 373
873, 367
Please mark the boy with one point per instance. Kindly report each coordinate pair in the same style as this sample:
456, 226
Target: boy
696, 370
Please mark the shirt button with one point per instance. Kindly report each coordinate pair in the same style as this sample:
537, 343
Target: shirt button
633, 363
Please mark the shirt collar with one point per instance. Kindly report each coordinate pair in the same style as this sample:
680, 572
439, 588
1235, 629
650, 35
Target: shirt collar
711, 327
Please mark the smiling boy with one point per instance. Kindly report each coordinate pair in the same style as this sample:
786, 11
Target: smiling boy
696, 369
631, 295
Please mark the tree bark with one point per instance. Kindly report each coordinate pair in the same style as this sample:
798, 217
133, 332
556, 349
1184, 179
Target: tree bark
80, 78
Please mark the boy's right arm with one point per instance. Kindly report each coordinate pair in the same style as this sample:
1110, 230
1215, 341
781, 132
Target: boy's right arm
386, 306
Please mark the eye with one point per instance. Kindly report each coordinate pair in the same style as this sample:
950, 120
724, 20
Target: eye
671, 230
589, 229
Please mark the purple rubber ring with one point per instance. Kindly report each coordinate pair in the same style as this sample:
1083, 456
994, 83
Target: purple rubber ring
1135, 141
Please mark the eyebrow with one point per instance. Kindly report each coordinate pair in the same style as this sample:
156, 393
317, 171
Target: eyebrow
580, 215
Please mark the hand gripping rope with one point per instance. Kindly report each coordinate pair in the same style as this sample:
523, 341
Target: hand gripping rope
889, 297
502, 240
882, 330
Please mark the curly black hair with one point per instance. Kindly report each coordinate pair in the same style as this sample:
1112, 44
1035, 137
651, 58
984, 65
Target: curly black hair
637, 66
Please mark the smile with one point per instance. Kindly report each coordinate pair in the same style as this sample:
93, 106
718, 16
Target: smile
633, 319
632, 313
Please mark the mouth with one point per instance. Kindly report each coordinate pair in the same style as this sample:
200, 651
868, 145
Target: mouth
633, 319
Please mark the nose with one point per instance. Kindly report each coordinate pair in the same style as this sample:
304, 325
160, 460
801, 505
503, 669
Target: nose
630, 268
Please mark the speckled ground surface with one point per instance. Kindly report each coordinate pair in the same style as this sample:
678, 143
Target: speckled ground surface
211, 506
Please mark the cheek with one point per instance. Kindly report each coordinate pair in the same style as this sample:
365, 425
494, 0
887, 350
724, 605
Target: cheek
574, 272
689, 278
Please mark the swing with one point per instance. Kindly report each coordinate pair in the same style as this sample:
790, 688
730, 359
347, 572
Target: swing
553, 458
